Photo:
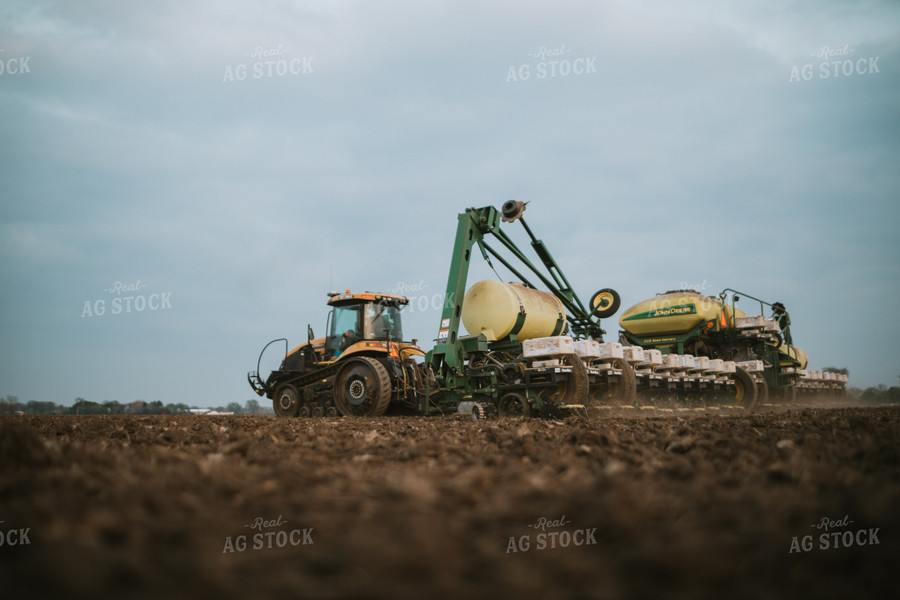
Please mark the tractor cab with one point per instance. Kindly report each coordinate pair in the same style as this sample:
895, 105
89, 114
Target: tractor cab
367, 317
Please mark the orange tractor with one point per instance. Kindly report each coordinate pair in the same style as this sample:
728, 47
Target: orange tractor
359, 368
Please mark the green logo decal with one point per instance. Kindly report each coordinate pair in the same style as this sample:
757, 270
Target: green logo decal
669, 311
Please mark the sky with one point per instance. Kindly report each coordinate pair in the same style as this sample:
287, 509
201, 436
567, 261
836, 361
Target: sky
182, 182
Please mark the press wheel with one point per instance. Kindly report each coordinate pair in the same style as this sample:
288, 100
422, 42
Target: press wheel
514, 405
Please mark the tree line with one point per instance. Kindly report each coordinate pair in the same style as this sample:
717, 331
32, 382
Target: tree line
871, 395
10, 405
879, 395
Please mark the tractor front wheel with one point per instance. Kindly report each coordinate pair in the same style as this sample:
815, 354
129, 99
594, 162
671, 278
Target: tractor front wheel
362, 388
286, 401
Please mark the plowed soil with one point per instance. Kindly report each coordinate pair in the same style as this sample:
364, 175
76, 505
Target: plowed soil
692, 506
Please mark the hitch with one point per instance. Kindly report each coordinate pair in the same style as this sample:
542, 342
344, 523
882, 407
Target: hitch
256, 383
253, 378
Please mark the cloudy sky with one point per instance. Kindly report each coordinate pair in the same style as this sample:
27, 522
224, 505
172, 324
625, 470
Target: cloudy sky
182, 182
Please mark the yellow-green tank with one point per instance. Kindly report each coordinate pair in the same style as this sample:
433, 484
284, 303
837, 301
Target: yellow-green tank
795, 353
492, 308
675, 312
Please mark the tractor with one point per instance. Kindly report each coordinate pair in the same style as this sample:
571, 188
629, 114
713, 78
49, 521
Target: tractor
361, 367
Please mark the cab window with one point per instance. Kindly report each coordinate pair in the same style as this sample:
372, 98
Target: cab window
344, 328
383, 321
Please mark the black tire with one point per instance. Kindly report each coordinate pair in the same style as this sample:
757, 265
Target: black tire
286, 401
605, 303
362, 388
514, 405
745, 390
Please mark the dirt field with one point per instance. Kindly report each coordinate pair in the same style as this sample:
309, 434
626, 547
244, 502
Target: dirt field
703, 506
